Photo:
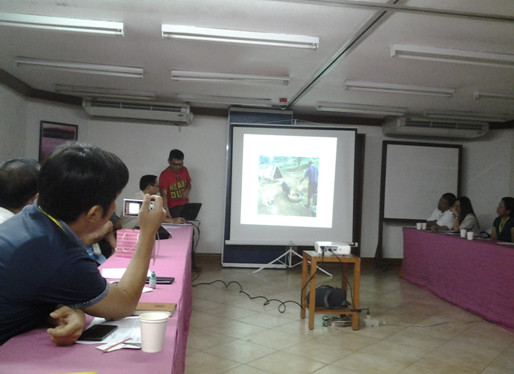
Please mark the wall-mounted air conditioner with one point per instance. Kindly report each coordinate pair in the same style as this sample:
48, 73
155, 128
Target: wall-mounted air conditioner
402, 126
171, 113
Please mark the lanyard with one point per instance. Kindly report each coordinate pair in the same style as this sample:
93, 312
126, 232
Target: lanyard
503, 221
53, 219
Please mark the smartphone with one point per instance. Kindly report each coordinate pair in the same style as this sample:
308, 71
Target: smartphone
162, 280
97, 333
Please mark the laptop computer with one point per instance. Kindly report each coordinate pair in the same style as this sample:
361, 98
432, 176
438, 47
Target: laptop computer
190, 211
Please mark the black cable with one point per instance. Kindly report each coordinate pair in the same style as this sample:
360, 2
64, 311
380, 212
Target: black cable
282, 304
196, 233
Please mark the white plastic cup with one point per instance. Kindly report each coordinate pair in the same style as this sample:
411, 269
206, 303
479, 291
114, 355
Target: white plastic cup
470, 235
463, 233
419, 225
423, 225
153, 329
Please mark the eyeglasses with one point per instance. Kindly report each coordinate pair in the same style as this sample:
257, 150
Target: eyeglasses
177, 164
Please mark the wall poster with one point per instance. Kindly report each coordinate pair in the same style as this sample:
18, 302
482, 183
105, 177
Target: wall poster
53, 134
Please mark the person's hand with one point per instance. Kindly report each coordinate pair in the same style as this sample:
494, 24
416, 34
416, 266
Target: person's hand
96, 236
69, 324
151, 220
185, 195
179, 220
454, 210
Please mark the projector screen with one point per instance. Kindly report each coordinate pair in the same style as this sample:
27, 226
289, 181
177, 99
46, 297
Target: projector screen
291, 185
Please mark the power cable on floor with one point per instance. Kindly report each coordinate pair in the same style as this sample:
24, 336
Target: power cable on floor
281, 306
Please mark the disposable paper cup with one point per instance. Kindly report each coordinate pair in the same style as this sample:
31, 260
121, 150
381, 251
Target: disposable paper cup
153, 330
463, 233
424, 225
470, 235
419, 225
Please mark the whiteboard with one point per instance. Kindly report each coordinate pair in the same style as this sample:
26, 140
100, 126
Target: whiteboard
416, 175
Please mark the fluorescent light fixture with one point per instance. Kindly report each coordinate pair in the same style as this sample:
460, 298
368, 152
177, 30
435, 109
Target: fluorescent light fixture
236, 36
360, 109
452, 55
398, 88
467, 116
258, 102
103, 92
179, 75
81, 67
492, 95
61, 24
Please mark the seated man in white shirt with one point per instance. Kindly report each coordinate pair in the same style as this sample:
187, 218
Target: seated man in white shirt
18, 186
148, 184
442, 217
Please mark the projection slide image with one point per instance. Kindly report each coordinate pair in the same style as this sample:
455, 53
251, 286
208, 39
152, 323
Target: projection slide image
288, 186
280, 185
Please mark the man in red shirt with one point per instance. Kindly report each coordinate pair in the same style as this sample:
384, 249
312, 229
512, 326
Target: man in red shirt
175, 184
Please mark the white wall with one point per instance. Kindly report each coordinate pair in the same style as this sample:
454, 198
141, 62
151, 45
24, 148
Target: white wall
12, 122
488, 171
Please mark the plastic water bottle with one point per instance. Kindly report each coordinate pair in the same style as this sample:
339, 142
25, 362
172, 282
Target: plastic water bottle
153, 280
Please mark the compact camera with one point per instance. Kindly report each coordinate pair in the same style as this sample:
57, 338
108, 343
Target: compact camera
131, 207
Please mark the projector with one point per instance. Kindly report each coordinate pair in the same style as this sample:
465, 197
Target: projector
337, 248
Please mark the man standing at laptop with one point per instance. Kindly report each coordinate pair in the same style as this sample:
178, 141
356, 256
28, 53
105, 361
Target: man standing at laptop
175, 184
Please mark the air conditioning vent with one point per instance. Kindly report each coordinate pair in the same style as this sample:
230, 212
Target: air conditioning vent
150, 111
426, 128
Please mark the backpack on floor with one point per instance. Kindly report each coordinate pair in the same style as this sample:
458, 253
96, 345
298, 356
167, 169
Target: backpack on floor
330, 297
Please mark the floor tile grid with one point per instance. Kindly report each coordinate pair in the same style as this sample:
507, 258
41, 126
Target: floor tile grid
230, 333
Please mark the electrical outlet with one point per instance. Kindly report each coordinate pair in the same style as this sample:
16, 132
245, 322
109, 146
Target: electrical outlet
369, 322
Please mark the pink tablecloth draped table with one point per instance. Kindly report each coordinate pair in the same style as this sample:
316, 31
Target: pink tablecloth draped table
33, 352
476, 275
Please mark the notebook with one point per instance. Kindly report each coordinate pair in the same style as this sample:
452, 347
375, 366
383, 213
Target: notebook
190, 211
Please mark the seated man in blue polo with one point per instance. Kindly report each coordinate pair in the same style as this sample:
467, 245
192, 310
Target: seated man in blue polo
47, 276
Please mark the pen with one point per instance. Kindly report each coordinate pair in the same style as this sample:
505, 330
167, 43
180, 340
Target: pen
115, 345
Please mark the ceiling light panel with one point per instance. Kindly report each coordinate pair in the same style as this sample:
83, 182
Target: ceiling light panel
179, 75
103, 92
492, 95
398, 88
360, 109
61, 24
452, 55
258, 102
236, 36
81, 67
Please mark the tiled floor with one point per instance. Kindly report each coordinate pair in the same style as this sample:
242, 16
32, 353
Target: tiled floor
418, 333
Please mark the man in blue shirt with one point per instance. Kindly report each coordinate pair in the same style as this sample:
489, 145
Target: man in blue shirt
312, 174
46, 274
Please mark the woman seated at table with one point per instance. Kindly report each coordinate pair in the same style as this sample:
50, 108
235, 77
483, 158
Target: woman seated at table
503, 225
464, 216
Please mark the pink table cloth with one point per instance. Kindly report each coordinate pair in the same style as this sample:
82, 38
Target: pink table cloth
33, 352
476, 275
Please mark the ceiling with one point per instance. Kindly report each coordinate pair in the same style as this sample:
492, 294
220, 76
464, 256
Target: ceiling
355, 39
